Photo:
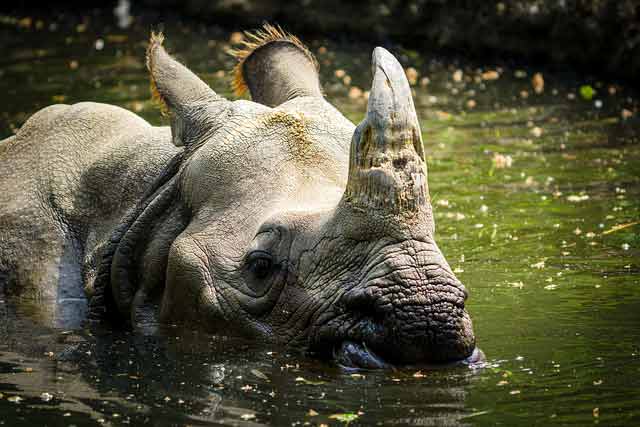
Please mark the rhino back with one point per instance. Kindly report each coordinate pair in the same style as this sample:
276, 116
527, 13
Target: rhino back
68, 176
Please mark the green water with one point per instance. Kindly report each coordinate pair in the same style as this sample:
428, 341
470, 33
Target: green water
545, 239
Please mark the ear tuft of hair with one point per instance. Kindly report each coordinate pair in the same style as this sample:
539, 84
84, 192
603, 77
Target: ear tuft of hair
254, 41
155, 42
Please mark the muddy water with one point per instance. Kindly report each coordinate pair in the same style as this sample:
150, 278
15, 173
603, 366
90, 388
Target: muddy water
537, 199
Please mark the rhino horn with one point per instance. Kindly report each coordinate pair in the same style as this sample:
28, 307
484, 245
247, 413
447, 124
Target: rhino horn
181, 94
387, 168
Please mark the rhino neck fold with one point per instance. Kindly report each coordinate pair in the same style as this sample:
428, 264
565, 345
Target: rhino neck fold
115, 285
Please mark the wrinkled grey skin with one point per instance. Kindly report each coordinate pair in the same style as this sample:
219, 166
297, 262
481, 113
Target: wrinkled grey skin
284, 224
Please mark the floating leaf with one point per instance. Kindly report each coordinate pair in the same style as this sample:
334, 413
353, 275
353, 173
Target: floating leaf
587, 92
309, 382
344, 418
259, 374
620, 227
477, 414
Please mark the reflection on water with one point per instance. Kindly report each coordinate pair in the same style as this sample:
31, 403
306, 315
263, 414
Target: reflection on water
536, 192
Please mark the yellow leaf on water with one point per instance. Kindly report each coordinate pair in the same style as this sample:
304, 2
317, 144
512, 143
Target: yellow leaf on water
344, 418
620, 227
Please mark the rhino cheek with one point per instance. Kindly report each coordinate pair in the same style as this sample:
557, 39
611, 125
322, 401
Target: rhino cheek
188, 294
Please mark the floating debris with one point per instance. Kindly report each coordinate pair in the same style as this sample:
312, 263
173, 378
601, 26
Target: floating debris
443, 115
537, 81
312, 413
539, 265
620, 227
626, 114
490, 75
339, 73
15, 399
355, 93
259, 374
457, 76
587, 92
99, 44
412, 75
500, 161
577, 198
537, 132
46, 396
247, 417
344, 418
309, 382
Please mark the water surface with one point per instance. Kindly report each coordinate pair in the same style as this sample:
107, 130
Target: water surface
536, 197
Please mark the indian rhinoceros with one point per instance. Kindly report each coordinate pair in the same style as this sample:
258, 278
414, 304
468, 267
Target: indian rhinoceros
275, 218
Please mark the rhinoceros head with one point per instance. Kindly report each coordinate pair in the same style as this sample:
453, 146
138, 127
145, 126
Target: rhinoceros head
280, 221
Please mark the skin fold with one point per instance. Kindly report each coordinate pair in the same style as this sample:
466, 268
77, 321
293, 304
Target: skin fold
275, 218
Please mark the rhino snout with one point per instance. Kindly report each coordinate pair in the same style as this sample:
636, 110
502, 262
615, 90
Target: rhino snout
408, 309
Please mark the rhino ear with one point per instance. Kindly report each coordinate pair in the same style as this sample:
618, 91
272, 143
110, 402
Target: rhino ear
275, 67
190, 103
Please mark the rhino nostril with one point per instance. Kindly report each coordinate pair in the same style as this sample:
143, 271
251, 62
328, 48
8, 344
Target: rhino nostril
363, 303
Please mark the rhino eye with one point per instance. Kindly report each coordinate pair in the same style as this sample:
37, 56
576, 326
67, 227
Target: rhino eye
260, 264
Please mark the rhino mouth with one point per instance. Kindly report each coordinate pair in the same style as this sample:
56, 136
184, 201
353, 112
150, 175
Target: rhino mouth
351, 355
355, 356
366, 344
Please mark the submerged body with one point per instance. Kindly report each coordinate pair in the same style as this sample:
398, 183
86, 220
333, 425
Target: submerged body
274, 218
